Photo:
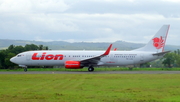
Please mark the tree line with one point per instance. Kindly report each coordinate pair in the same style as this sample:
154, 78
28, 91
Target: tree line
12, 50
172, 59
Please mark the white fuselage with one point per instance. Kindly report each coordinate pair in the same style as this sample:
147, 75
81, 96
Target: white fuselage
58, 58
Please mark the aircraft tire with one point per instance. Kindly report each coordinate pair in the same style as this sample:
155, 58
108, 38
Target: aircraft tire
90, 69
25, 69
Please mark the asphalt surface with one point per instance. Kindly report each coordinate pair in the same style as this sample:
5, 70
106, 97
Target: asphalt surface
95, 72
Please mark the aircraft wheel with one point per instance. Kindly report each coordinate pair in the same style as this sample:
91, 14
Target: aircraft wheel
25, 69
90, 69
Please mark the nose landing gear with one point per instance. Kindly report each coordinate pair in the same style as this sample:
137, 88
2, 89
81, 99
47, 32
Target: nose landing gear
24, 66
90, 69
25, 69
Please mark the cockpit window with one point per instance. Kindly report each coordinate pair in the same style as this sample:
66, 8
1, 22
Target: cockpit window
18, 55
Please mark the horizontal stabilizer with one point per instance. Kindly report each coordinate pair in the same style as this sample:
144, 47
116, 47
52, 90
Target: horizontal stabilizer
161, 53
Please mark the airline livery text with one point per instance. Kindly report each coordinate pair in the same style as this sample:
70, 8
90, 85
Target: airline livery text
35, 56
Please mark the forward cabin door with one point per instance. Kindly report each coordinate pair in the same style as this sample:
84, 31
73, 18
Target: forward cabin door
28, 55
28, 58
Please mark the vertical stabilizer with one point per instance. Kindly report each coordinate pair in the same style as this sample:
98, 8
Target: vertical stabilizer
157, 43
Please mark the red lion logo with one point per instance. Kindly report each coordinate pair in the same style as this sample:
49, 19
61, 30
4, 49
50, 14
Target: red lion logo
158, 42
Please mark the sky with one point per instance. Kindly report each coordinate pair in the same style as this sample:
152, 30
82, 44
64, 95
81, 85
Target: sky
89, 20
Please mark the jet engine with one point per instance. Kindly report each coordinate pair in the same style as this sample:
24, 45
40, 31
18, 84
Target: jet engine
73, 65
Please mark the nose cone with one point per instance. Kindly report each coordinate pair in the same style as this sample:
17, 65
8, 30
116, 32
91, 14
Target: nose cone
13, 60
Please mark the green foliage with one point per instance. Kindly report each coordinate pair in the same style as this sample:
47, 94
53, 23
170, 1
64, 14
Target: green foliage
157, 63
178, 60
169, 59
11, 47
31, 47
178, 51
2, 60
41, 47
172, 59
18, 49
6, 55
46, 48
147, 64
7, 60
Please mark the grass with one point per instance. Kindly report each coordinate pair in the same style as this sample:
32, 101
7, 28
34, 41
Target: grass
96, 69
90, 88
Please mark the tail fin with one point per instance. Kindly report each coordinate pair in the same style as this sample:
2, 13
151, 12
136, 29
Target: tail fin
157, 43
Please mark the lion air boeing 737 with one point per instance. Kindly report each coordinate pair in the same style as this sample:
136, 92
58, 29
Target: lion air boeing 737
79, 59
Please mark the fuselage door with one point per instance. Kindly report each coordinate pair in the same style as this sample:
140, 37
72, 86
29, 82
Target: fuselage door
28, 56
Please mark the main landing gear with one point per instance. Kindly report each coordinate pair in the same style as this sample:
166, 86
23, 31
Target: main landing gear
90, 69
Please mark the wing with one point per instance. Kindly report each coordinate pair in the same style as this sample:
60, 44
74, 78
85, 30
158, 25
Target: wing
96, 59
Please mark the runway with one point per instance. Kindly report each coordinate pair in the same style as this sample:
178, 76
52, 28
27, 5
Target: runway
95, 72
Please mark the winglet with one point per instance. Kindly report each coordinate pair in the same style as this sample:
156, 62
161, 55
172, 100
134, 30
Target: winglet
108, 50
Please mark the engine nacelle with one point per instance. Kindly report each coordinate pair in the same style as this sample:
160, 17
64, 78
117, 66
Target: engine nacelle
73, 65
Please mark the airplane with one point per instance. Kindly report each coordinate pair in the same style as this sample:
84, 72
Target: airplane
153, 50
